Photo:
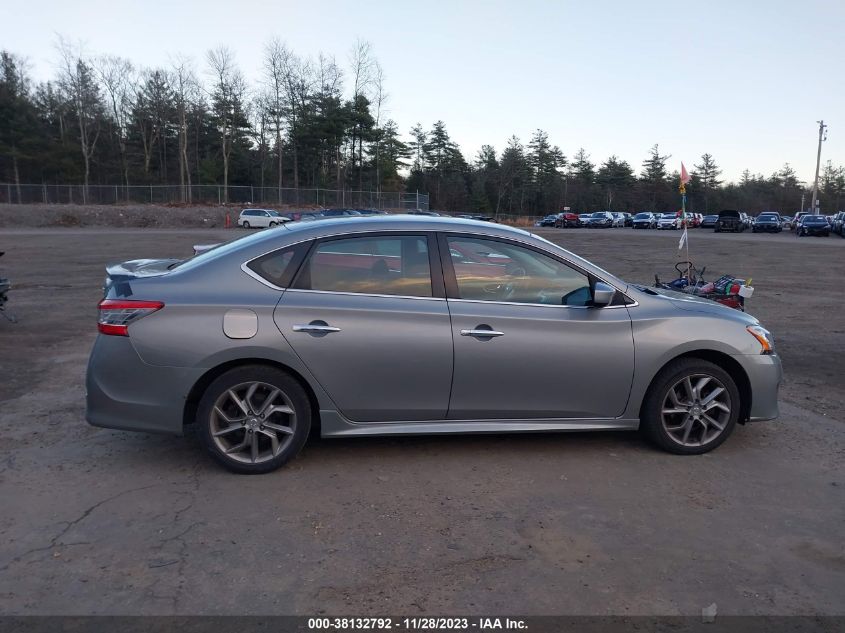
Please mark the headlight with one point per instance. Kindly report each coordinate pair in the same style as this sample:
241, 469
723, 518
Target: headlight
764, 337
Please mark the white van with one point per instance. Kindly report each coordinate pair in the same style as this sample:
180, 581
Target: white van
260, 218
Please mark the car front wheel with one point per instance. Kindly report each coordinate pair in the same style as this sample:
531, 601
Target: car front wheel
254, 419
691, 408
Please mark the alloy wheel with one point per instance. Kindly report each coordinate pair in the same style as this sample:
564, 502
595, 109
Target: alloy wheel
696, 410
252, 422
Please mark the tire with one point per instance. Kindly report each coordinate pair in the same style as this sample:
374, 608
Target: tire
702, 435
219, 411
273, 225
245, 224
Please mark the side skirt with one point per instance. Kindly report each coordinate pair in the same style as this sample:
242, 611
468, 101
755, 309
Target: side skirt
333, 424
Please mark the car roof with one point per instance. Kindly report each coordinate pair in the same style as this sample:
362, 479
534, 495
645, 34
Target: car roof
335, 226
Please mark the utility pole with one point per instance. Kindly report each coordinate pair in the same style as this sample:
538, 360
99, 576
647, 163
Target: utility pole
822, 137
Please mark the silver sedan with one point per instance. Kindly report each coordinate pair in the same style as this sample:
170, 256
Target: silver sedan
408, 324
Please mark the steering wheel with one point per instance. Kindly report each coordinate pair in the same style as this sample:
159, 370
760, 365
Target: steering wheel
515, 272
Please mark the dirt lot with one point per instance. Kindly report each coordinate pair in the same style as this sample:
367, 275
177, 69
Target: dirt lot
96, 521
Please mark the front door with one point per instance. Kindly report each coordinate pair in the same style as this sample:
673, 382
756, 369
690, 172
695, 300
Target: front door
366, 320
528, 343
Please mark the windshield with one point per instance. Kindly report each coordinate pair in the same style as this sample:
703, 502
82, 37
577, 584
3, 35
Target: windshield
608, 276
668, 216
767, 216
599, 214
643, 216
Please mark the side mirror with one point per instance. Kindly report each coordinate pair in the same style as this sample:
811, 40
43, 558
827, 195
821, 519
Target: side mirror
603, 294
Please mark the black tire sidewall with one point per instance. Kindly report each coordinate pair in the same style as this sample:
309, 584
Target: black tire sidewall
650, 422
270, 375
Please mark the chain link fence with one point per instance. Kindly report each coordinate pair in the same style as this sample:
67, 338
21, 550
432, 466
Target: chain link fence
210, 195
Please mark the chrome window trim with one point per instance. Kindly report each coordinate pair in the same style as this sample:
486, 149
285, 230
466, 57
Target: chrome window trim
258, 277
463, 231
365, 294
544, 305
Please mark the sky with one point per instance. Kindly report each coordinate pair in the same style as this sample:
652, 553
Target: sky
744, 80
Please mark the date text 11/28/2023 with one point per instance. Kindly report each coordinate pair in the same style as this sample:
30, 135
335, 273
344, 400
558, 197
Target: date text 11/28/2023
416, 624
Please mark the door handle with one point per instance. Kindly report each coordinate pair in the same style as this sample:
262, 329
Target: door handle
315, 328
482, 333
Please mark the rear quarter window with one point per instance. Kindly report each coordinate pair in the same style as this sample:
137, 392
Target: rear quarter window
279, 267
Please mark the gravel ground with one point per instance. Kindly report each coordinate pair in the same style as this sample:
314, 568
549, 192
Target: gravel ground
97, 521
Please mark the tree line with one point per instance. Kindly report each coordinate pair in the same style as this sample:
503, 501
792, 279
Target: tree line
317, 122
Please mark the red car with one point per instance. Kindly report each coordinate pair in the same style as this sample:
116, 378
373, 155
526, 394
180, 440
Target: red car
567, 219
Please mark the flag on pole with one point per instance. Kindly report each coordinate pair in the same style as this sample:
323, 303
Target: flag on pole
684, 175
683, 239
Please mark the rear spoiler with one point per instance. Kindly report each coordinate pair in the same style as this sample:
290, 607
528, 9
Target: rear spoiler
199, 249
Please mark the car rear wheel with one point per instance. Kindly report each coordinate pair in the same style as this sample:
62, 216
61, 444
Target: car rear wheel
245, 224
254, 419
692, 407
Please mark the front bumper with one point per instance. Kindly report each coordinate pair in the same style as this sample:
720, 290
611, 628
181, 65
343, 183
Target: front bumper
765, 374
124, 392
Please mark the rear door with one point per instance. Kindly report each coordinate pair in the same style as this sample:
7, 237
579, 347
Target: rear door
367, 315
528, 344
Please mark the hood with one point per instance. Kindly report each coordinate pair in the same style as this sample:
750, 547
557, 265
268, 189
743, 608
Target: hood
691, 303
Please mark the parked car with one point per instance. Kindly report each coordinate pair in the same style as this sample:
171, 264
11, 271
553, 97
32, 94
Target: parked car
730, 220
260, 218
433, 214
258, 340
629, 219
813, 225
786, 222
296, 216
669, 221
340, 213
618, 219
645, 220
549, 220
601, 219
567, 219
839, 223
747, 220
585, 218
768, 222
797, 217
708, 221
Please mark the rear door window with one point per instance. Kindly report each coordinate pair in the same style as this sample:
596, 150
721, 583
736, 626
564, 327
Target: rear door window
383, 265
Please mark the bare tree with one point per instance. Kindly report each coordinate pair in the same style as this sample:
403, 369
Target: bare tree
380, 97
259, 112
153, 110
227, 102
77, 81
362, 65
185, 89
276, 56
298, 76
330, 81
117, 76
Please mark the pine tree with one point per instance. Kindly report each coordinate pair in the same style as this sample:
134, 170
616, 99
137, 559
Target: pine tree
706, 176
653, 178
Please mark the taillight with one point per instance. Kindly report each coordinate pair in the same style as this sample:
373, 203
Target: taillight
117, 314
